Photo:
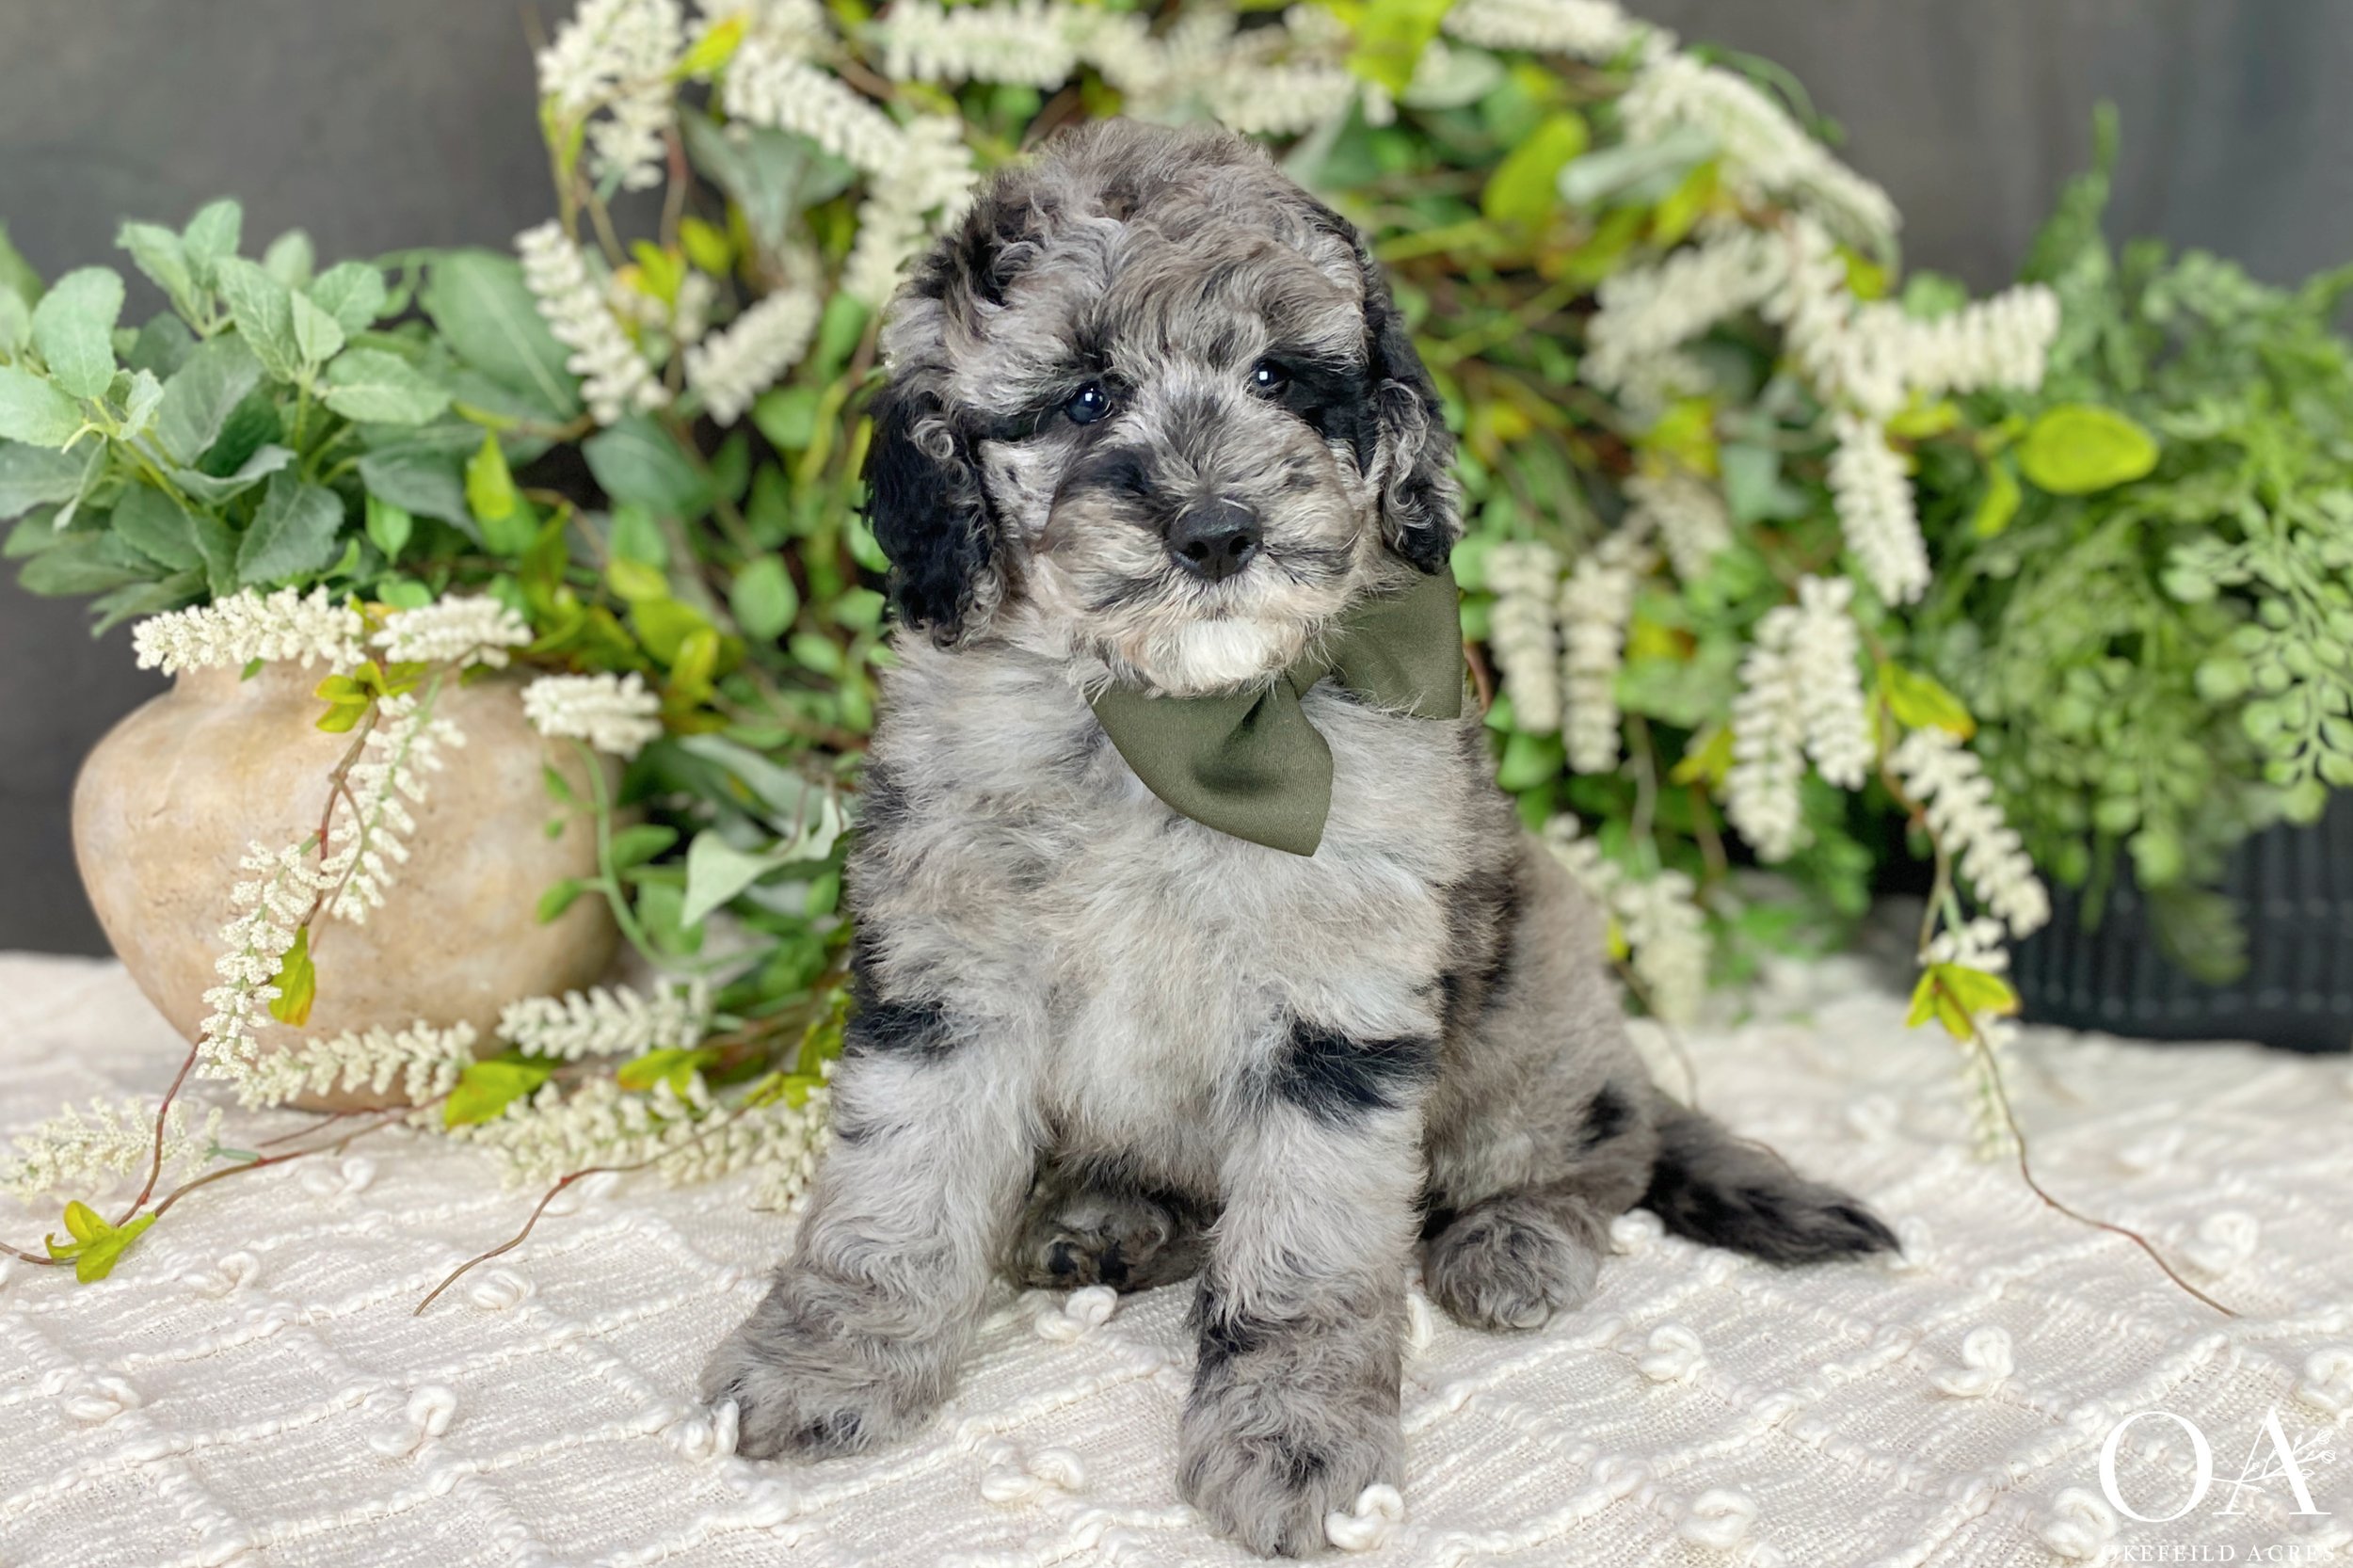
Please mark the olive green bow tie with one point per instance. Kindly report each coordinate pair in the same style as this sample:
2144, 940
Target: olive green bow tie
1251, 764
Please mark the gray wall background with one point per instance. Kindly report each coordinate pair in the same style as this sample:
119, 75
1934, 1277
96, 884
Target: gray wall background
410, 122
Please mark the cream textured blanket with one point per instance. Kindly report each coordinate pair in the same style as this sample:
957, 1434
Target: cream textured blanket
251, 1389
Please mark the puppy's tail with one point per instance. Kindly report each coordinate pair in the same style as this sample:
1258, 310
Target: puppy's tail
1715, 1188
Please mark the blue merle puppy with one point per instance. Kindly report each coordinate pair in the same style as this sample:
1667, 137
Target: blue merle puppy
1153, 423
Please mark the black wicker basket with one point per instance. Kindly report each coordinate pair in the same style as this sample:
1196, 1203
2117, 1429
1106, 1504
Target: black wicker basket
2293, 888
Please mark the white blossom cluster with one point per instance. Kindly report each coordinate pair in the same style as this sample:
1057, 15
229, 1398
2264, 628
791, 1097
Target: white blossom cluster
618, 56
1762, 152
1767, 742
272, 904
1947, 781
2001, 342
1593, 30
80, 1153
285, 626
470, 628
935, 176
1645, 314
1825, 657
1874, 510
735, 366
422, 1060
1800, 696
687, 1136
1262, 80
1596, 603
602, 1022
771, 82
1685, 512
370, 819
1524, 632
616, 378
615, 713
1659, 917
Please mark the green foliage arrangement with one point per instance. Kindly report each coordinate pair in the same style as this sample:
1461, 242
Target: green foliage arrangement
2146, 599
1664, 320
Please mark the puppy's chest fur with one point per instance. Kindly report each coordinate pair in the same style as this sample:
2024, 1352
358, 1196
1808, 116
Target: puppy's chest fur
1153, 969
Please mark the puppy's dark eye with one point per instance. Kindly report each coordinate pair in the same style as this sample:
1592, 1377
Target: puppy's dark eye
1088, 404
1267, 377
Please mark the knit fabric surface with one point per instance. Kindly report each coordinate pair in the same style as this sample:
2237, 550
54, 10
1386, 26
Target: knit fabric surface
251, 1386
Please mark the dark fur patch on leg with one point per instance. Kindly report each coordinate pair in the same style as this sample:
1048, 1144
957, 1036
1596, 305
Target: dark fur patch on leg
1337, 1079
1610, 1113
918, 1029
1714, 1188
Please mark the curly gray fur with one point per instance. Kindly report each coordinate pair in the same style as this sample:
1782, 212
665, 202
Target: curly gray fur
1099, 1041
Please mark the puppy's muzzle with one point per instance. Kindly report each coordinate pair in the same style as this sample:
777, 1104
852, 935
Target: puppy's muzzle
1214, 539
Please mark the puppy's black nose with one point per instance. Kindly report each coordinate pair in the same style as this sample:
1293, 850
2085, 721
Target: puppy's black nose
1215, 539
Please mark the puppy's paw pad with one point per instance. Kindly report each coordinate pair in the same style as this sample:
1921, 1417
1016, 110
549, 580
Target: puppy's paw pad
1504, 1270
1129, 1244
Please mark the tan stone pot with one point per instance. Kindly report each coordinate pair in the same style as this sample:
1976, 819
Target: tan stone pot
169, 802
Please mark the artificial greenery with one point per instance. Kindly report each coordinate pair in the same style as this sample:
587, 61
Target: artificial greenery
2146, 595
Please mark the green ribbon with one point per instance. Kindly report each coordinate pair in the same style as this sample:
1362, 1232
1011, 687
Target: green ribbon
1251, 764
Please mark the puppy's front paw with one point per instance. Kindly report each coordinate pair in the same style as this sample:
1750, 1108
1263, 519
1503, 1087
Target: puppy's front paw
808, 1385
1266, 1456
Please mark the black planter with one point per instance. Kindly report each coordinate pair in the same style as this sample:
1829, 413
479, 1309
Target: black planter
2293, 888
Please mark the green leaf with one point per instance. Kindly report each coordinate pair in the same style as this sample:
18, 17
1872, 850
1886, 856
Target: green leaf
1976, 990
289, 259
1529, 760
16, 273
635, 846
379, 388
764, 598
490, 493
1391, 39
35, 412
73, 328
213, 380
16, 322
2078, 448
1524, 188
318, 336
487, 1088
157, 527
85, 564
716, 871
133, 599
209, 490
636, 535
157, 252
139, 405
211, 235
1999, 504
263, 308
294, 533
424, 481
674, 1064
351, 292
773, 175
388, 526
636, 461
298, 983
1920, 701
34, 476
95, 1246
478, 301
559, 898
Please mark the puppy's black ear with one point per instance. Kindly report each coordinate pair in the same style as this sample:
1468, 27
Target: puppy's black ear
1421, 506
930, 513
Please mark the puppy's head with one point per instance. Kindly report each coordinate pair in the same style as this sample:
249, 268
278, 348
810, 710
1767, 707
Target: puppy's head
1151, 404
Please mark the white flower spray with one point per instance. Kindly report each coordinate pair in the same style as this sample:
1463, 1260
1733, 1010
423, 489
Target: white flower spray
607, 1021
421, 1062
1946, 779
613, 713
284, 627
733, 367
1659, 918
272, 904
1761, 797
371, 820
1596, 604
461, 630
617, 379
1524, 632
617, 56
1825, 661
79, 1152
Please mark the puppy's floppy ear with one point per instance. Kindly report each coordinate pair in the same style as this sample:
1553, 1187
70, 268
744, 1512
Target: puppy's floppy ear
930, 512
1421, 506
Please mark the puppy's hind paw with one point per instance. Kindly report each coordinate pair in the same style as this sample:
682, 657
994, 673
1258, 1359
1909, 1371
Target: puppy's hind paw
1513, 1262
